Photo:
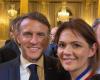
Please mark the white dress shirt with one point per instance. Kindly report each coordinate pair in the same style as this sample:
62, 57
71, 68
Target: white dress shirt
25, 72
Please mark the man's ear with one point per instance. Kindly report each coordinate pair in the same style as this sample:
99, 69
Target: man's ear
18, 39
93, 50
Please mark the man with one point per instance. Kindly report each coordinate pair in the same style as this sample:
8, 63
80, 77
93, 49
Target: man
10, 50
33, 36
52, 33
96, 27
52, 47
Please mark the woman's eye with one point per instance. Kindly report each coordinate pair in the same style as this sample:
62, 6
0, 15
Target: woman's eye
76, 45
61, 45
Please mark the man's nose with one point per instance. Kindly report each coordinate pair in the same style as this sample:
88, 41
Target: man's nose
34, 39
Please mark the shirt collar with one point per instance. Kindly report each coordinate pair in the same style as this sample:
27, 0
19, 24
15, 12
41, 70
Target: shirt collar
25, 62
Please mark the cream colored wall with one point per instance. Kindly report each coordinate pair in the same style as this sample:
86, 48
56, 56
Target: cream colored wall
89, 11
51, 10
85, 9
78, 9
2, 43
5, 19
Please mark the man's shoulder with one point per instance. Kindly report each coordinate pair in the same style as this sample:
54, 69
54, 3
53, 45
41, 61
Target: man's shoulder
7, 55
54, 70
50, 60
4, 66
8, 70
9, 64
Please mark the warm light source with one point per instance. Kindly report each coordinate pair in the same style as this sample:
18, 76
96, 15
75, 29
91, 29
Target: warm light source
63, 14
12, 12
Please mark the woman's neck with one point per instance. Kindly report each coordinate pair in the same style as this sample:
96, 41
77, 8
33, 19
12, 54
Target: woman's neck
74, 74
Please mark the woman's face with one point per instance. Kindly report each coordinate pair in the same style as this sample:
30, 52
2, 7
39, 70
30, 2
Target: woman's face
73, 51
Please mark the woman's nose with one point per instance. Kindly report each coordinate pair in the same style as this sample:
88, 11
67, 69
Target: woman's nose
68, 50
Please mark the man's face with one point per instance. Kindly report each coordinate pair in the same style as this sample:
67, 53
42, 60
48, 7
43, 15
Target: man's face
98, 33
33, 39
53, 32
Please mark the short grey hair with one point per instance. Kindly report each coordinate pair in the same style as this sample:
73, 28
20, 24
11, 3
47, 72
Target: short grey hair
96, 22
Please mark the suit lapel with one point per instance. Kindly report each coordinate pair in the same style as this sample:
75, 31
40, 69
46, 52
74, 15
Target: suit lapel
14, 69
46, 68
49, 68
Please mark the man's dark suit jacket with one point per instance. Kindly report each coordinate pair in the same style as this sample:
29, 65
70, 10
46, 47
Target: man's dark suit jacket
11, 70
9, 51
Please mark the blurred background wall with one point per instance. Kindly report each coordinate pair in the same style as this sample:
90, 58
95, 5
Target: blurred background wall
55, 10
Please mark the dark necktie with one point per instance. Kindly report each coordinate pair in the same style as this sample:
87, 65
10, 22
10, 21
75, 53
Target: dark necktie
33, 70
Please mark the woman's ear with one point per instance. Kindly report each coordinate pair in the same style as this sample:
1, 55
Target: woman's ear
93, 50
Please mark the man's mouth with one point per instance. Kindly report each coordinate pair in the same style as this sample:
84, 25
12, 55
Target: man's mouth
34, 48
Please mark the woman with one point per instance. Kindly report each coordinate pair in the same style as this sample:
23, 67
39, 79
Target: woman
77, 49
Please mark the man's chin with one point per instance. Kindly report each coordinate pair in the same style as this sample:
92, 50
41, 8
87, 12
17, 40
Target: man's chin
34, 59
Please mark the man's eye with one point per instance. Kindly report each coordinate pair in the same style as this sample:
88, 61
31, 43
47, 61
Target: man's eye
27, 34
41, 34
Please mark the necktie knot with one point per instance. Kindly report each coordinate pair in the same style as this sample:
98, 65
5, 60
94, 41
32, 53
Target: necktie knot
33, 70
